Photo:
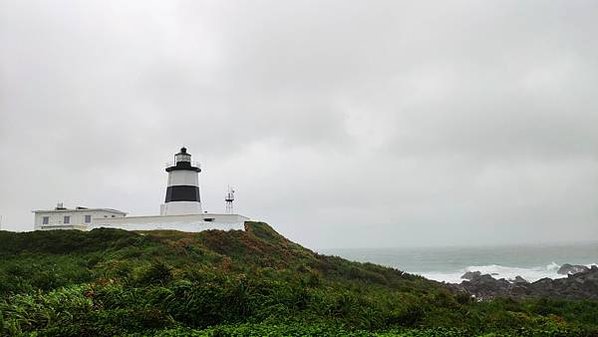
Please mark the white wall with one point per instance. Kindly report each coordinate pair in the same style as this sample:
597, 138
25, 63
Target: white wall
184, 223
180, 208
77, 218
183, 177
107, 219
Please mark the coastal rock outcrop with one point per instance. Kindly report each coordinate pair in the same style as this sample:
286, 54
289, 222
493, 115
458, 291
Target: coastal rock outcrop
486, 286
471, 274
581, 285
519, 279
572, 269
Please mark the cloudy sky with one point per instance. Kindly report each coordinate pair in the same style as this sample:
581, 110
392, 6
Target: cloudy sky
341, 123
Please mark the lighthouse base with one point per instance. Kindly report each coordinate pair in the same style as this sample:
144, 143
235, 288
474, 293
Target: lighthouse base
180, 208
183, 223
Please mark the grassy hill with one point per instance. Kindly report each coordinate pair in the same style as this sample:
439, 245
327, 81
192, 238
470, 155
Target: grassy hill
240, 283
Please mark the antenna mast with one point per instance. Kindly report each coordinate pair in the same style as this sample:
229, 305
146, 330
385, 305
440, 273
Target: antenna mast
229, 198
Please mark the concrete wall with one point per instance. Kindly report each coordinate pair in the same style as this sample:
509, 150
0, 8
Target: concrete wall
183, 178
184, 223
77, 218
181, 208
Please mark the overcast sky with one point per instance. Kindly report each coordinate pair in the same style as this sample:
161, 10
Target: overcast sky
341, 123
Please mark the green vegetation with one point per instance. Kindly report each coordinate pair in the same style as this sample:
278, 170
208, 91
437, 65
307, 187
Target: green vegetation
240, 283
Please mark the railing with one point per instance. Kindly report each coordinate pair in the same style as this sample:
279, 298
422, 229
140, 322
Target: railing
173, 163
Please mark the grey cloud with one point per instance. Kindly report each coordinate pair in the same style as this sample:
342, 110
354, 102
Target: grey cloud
393, 122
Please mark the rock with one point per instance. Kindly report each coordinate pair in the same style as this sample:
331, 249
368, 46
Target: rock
544, 281
571, 269
485, 286
519, 289
471, 275
519, 279
582, 285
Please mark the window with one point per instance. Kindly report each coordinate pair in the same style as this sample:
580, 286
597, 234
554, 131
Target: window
67, 219
45, 220
113, 216
88, 219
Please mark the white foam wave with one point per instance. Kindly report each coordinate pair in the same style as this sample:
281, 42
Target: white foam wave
497, 271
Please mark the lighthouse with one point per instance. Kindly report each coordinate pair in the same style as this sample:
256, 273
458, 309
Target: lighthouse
180, 211
182, 191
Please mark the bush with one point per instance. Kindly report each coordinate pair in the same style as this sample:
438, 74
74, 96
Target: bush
157, 273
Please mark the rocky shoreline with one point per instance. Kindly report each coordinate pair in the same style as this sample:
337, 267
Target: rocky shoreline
581, 283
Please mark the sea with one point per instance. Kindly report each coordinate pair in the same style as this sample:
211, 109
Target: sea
448, 264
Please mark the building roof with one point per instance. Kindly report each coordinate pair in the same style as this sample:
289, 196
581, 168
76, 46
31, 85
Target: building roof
78, 209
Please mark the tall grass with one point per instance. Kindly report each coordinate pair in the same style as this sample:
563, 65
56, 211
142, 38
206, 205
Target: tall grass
240, 283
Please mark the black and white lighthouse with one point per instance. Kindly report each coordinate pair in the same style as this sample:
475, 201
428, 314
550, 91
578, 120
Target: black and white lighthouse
182, 191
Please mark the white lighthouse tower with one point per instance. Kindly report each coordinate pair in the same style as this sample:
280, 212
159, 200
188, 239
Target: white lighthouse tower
182, 191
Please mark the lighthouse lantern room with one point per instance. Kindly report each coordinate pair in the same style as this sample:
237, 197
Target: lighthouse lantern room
182, 191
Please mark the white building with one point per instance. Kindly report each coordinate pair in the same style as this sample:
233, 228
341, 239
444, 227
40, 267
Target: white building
182, 209
78, 218
184, 222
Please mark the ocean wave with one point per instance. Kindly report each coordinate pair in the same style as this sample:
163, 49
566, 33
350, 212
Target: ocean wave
531, 274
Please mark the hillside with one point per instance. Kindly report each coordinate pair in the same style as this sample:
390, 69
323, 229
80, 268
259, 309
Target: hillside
239, 283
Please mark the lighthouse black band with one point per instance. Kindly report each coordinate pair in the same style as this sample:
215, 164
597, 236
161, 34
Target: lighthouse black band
183, 166
182, 193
